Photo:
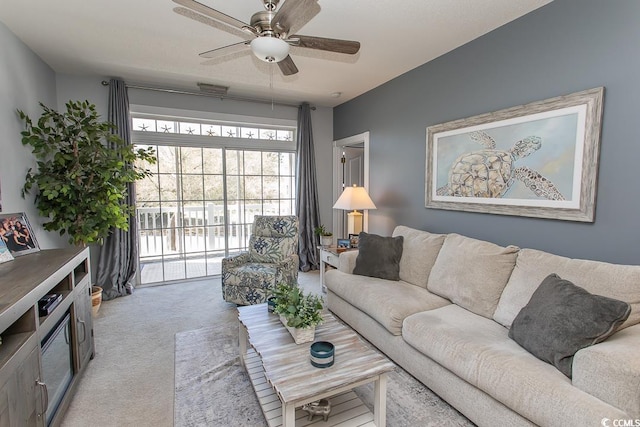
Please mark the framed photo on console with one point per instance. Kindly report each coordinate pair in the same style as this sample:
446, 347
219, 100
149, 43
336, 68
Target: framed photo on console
17, 235
343, 243
353, 240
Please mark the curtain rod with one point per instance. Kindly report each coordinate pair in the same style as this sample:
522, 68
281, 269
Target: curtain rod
212, 95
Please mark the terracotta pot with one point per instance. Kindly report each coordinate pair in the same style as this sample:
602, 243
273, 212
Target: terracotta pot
96, 299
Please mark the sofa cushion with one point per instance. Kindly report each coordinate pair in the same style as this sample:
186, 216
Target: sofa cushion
419, 252
472, 273
562, 318
249, 283
378, 256
610, 370
275, 226
271, 249
479, 351
386, 301
621, 282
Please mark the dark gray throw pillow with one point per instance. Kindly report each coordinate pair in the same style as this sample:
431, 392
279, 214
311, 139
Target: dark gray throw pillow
562, 318
379, 256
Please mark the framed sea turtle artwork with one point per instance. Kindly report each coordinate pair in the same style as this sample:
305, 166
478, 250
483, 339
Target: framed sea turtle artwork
537, 160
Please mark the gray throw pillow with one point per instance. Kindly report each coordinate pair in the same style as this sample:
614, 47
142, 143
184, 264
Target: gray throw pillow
379, 256
562, 318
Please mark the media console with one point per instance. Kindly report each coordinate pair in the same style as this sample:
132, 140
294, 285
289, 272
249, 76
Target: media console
43, 353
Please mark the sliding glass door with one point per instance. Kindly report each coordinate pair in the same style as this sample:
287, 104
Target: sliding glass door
199, 205
210, 180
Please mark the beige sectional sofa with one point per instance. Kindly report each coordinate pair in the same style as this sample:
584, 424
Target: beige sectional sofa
447, 323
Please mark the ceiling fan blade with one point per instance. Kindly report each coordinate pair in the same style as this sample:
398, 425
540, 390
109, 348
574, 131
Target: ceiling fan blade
211, 22
287, 66
225, 50
212, 13
320, 43
294, 14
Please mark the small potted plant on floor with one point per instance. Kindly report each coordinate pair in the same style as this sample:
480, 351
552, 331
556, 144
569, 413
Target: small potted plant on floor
326, 237
299, 313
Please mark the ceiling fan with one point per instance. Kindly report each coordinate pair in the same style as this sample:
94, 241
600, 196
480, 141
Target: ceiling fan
269, 33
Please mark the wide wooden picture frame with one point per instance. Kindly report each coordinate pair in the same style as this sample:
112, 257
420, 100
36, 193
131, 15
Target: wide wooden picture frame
535, 160
17, 234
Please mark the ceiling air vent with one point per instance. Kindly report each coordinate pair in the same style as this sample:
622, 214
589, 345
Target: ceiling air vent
213, 89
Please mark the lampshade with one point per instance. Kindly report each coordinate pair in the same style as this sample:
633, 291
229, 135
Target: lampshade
270, 49
354, 198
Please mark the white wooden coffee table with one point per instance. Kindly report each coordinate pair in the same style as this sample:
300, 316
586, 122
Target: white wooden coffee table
284, 379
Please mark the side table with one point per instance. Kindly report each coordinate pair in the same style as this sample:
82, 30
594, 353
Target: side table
329, 255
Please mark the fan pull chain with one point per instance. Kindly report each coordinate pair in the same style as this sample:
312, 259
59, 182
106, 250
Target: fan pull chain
271, 65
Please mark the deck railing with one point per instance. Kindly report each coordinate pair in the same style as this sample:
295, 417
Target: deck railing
193, 231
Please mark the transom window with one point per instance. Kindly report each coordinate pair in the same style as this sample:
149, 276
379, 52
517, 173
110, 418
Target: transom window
141, 124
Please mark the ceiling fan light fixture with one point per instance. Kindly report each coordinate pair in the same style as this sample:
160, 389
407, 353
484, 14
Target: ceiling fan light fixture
270, 49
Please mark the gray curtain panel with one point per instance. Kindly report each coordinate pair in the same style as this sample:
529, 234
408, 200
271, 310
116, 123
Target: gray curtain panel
307, 192
118, 260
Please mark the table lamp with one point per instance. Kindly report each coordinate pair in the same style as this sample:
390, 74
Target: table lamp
354, 198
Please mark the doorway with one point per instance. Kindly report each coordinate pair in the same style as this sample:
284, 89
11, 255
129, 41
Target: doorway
350, 166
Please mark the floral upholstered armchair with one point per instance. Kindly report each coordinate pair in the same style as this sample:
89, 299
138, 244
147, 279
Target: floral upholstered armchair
250, 277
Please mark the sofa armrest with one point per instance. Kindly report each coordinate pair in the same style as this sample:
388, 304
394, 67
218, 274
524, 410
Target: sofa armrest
347, 261
289, 263
287, 270
610, 370
234, 261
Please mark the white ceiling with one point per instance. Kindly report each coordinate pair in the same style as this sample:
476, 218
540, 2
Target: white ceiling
145, 42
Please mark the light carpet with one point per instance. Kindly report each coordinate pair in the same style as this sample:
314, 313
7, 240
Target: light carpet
212, 388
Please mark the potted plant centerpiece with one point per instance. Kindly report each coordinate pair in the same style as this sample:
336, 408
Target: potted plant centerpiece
83, 172
326, 237
299, 313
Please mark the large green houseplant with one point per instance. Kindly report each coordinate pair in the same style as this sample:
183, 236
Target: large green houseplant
83, 172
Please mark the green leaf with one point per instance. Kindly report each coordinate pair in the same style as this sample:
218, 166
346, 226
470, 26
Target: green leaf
83, 172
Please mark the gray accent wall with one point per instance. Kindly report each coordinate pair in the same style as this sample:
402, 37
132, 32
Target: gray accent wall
561, 48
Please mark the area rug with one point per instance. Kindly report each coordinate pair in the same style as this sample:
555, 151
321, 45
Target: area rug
212, 388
